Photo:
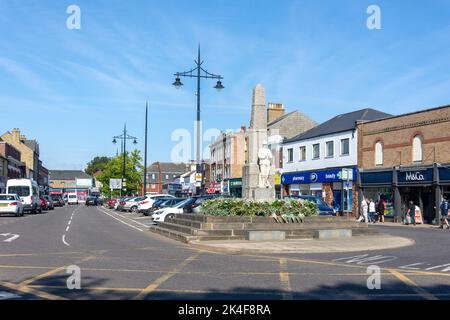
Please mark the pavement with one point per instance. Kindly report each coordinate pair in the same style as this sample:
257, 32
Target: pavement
117, 257
355, 244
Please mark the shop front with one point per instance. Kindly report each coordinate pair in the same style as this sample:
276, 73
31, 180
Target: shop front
377, 185
423, 185
335, 186
235, 187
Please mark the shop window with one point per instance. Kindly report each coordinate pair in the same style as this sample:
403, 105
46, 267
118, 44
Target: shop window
316, 151
302, 153
417, 151
379, 153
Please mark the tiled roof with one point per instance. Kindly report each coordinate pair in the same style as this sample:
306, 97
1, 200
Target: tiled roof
167, 167
340, 123
68, 175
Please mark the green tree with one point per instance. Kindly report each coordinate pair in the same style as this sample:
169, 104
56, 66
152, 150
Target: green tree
133, 173
96, 164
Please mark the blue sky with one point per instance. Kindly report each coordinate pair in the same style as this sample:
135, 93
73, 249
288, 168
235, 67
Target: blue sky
72, 90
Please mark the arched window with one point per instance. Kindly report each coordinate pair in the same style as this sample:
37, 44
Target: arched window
417, 151
379, 153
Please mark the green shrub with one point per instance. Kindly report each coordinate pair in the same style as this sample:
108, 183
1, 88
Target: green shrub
289, 210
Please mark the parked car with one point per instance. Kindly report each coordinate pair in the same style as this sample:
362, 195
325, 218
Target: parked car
156, 205
166, 214
11, 203
57, 201
28, 191
72, 198
111, 203
50, 203
132, 204
122, 203
146, 204
322, 206
92, 201
195, 205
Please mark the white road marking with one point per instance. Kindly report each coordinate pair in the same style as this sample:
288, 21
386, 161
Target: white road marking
120, 220
10, 239
68, 227
64, 240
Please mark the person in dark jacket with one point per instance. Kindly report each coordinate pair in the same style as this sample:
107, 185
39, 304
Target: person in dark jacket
445, 209
380, 210
412, 212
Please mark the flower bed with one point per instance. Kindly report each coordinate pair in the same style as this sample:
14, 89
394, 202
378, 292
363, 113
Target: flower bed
281, 210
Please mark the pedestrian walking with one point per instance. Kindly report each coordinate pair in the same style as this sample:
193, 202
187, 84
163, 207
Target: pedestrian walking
445, 210
380, 210
411, 213
372, 211
363, 212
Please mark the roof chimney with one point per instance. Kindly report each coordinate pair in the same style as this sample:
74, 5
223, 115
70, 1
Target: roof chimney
16, 134
274, 111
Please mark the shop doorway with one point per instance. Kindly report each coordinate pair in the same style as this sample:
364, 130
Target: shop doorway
423, 197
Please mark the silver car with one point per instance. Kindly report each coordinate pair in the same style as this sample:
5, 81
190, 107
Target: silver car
132, 204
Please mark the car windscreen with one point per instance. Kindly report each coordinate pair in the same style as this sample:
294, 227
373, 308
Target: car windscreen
21, 191
7, 198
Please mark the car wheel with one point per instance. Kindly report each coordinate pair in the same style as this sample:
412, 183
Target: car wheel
169, 217
134, 209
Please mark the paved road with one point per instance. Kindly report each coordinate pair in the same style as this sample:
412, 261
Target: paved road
119, 259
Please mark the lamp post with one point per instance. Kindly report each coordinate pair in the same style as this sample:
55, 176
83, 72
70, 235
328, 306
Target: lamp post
199, 73
124, 137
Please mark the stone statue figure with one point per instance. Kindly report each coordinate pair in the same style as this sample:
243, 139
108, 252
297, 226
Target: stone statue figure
264, 162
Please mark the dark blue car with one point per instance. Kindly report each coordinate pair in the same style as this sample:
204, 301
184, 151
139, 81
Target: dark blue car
324, 209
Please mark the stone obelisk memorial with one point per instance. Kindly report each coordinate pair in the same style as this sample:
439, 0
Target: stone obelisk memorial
258, 171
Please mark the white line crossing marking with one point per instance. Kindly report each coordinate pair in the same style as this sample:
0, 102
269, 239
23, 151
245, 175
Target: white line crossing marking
67, 229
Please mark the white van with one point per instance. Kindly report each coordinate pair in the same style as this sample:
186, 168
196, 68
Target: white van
28, 191
72, 198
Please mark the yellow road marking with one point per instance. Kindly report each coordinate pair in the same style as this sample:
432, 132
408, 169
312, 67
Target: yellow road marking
158, 282
263, 293
285, 281
36, 254
425, 294
28, 290
49, 273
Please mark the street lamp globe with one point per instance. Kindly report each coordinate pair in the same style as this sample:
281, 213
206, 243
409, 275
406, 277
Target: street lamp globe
177, 83
219, 86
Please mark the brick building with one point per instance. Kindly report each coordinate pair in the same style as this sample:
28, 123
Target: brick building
406, 158
29, 150
163, 173
16, 168
226, 162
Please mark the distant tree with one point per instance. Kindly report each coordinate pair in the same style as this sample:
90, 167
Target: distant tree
96, 164
133, 173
